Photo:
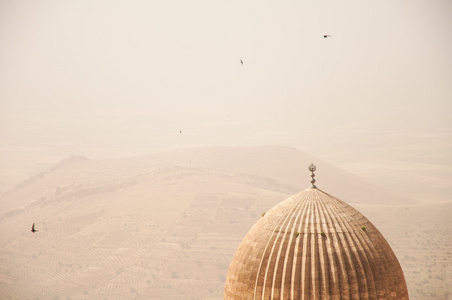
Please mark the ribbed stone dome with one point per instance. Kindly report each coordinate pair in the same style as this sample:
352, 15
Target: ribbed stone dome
314, 246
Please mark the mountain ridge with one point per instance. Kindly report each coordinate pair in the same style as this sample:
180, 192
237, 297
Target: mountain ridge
274, 162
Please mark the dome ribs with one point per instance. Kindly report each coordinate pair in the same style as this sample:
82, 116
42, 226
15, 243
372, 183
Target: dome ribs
288, 285
340, 255
297, 278
353, 247
241, 272
373, 253
281, 264
330, 267
264, 282
315, 268
315, 246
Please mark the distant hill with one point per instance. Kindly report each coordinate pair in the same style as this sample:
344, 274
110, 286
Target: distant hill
286, 166
166, 225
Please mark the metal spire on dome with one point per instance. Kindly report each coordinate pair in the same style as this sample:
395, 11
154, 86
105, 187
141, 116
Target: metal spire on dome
312, 168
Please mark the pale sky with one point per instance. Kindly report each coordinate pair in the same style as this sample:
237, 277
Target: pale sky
119, 78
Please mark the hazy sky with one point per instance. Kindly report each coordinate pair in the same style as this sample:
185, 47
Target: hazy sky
118, 78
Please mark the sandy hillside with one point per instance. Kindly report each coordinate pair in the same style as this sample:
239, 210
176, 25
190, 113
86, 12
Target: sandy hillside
165, 226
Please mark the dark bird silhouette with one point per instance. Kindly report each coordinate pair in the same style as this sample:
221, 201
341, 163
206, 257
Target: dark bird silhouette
33, 228
180, 131
241, 61
326, 36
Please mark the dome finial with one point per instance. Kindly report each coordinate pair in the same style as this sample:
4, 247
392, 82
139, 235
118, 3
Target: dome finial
312, 168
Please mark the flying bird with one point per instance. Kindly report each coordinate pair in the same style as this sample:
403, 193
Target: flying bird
241, 61
33, 228
326, 36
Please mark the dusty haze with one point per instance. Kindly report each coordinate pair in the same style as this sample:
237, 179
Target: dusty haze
112, 79
167, 128
166, 226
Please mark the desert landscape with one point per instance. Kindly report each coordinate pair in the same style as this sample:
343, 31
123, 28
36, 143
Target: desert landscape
166, 225
144, 139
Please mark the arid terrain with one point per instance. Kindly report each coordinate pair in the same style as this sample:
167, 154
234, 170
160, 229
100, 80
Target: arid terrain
165, 226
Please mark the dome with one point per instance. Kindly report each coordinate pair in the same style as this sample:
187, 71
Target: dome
314, 246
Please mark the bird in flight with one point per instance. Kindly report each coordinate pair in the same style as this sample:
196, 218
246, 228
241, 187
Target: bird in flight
326, 36
33, 228
241, 61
